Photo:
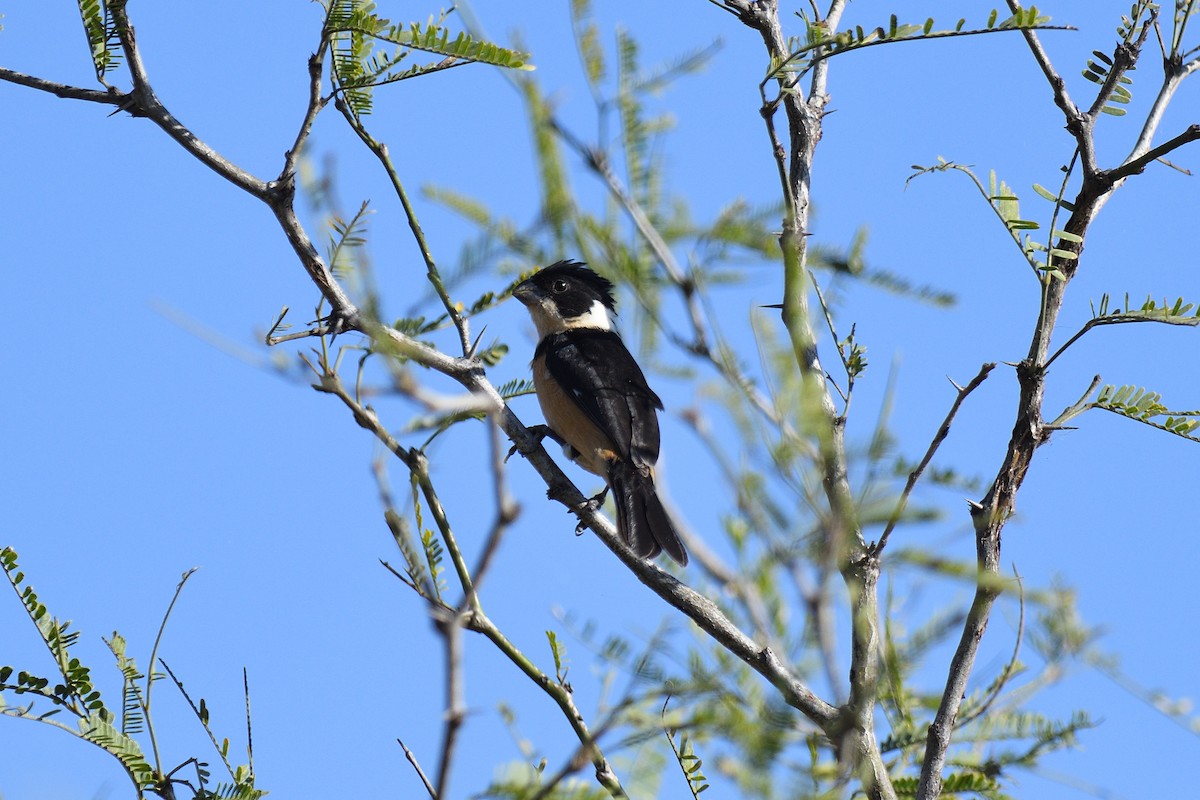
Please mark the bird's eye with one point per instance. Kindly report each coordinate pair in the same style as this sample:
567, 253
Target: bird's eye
559, 286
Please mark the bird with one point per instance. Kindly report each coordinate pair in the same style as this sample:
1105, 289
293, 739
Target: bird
596, 401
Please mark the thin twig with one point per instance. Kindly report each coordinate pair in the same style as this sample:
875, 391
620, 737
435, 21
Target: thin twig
412, 759
316, 70
432, 273
110, 97
148, 105
456, 710
1136, 165
1009, 669
1062, 98
145, 702
249, 727
1077, 408
942, 432
560, 695
507, 509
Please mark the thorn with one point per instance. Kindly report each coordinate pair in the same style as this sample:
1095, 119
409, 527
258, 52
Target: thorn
475, 344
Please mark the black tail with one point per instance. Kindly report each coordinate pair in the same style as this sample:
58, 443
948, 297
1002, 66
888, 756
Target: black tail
641, 519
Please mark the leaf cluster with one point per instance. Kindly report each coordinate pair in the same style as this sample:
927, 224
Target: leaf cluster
102, 37
95, 722
819, 43
368, 50
1144, 406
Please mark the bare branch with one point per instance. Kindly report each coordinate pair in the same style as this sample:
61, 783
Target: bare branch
942, 432
412, 759
1009, 669
1061, 98
432, 273
110, 97
316, 69
938, 741
1136, 165
456, 709
147, 104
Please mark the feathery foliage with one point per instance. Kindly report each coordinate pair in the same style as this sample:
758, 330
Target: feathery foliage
102, 38
362, 60
819, 43
685, 757
1144, 406
77, 696
346, 241
1006, 205
785, 544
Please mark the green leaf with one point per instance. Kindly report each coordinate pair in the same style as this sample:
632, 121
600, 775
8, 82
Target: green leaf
435, 39
821, 43
587, 41
1177, 313
347, 241
560, 656
355, 30
515, 388
1046, 193
102, 37
493, 354
1144, 406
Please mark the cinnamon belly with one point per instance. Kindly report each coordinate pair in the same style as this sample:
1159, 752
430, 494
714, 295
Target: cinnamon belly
595, 449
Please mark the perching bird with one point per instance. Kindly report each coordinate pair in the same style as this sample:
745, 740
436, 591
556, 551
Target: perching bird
596, 401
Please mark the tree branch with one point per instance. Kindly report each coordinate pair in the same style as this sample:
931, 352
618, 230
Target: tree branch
380, 150
942, 432
1135, 166
990, 515
844, 545
938, 740
147, 104
110, 97
412, 759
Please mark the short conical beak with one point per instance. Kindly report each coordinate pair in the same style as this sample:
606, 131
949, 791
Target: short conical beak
527, 293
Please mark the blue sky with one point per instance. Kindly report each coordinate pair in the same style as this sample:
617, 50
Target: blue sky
137, 449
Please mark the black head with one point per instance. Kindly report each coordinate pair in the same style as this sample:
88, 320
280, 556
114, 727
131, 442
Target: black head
567, 295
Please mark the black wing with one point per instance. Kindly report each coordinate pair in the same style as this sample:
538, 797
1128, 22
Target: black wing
600, 375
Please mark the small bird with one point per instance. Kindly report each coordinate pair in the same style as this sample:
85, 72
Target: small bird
596, 401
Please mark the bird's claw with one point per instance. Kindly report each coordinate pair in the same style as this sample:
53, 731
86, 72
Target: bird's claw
592, 504
539, 432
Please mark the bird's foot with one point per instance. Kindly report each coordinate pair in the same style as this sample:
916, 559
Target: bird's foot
592, 504
539, 432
